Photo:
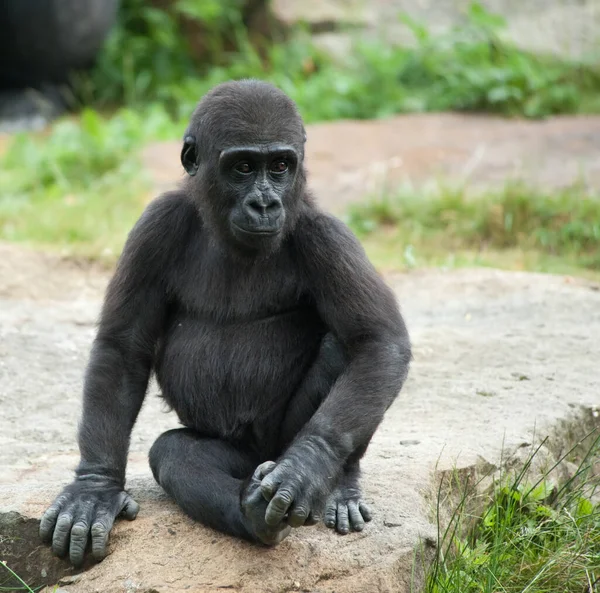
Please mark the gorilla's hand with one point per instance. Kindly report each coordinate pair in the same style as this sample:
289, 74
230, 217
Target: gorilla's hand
254, 506
89, 505
299, 484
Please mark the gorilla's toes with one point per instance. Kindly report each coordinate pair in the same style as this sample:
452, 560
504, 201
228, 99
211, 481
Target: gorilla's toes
346, 512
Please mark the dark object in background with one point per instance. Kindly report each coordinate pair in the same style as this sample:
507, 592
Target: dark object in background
257, 18
41, 42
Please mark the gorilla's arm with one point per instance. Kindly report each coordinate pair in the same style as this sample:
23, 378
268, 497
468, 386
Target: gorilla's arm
362, 312
114, 388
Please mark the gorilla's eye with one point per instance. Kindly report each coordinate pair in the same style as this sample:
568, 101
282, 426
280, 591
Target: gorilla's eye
243, 168
280, 166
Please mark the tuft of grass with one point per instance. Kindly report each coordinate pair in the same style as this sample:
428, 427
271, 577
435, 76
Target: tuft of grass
75, 153
16, 582
533, 536
80, 187
524, 227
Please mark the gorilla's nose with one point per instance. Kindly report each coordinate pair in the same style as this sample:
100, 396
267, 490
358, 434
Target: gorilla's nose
260, 206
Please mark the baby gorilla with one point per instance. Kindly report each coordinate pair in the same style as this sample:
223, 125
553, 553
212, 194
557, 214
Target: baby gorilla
271, 335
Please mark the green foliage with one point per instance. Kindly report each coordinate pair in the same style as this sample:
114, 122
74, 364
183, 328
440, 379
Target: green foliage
536, 538
81, 187
566, 223
470, 68
87, 169
77, 153
147, 55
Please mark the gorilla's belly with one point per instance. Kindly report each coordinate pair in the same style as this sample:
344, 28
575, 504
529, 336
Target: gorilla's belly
223, 378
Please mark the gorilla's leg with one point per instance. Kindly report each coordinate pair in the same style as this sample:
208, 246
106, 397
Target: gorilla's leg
345, 510
205, 477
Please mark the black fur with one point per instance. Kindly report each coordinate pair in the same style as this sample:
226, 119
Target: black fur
270, 333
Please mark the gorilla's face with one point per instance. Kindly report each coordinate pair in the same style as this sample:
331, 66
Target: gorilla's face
244, 152
251, 190
258, 180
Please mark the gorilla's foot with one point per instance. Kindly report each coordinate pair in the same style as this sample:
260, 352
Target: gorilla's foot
254, 506
345, 510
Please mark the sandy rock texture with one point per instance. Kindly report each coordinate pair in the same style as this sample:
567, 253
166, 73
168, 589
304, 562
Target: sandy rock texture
498, 356
350, 160
564, 27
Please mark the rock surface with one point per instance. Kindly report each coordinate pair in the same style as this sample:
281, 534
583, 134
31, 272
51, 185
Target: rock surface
565, 27
497, 356
348, 160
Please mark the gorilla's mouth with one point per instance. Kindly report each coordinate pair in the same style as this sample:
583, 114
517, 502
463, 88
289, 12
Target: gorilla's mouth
254, 232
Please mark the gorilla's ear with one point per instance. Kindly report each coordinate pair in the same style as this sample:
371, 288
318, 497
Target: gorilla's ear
189, 156
304, 133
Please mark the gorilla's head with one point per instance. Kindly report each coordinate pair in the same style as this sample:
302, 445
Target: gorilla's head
244, 152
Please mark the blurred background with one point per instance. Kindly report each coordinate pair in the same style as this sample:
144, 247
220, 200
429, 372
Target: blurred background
448, 134
445, 133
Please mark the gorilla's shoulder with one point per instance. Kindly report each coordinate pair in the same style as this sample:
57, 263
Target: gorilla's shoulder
170, 216
322, 230
163, 229
170, 208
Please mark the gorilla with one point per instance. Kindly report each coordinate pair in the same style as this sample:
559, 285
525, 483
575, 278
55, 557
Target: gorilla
269, 332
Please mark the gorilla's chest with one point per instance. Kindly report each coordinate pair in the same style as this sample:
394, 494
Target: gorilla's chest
236, 345
223, 291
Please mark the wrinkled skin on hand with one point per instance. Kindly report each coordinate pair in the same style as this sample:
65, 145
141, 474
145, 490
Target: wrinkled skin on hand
297, 486
86, 508
254, 507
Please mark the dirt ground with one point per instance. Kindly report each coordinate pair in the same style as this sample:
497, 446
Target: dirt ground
500, 358
350, 160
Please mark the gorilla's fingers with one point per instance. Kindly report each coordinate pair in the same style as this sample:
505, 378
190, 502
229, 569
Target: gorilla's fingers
130, 508
278, 507
299, 514
48, 520
264, 469
331, 515
343, 525
312, 519
356, 519
80, 533
267, 487
100, 532
60, 539
365, 511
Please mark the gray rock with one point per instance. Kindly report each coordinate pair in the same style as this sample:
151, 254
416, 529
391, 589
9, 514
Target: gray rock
43, 348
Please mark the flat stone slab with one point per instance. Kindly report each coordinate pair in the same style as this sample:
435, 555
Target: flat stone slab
351, 160
498, 355
565, 27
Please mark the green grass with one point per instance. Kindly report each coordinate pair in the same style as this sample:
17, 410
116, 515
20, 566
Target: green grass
16, 582
88, 188
533, 536
80, 186
516, 227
